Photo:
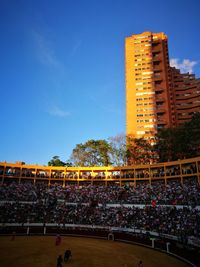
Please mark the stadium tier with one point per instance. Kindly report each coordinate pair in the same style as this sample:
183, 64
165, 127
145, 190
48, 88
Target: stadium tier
181, 169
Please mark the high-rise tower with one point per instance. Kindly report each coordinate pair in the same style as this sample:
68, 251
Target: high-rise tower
147, 84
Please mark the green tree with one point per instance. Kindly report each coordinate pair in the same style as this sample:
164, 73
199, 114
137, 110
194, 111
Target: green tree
55, 161
91, 153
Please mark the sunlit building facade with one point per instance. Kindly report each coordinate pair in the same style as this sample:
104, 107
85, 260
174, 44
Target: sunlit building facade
185, 90
157, 95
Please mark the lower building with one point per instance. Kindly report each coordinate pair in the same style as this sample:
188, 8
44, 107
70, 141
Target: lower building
185, 95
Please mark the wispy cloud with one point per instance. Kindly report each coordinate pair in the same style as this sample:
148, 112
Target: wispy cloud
58, 112
75, 48
185, 66
45, 52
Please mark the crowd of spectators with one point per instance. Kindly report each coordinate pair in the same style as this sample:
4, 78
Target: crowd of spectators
87, 204
173, 193
161, 219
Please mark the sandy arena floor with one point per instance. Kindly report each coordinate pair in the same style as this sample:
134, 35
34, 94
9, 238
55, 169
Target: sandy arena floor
86, 252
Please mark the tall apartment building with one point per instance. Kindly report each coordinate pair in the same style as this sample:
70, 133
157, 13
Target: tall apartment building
156, 94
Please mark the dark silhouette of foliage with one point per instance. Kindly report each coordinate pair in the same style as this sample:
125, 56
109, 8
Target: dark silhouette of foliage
55, 161
140, 151
181, 142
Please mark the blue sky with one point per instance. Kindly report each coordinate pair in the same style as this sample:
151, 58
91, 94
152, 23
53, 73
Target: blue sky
62, 68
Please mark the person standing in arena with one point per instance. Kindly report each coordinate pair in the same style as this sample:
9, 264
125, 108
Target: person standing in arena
67, 255
58, 240
59, 261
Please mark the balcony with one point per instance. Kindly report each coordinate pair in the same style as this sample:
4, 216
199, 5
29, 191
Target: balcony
157, 66
156, 49
159, 90
160, 110
160, 100
184, 117
157, 78
188, 95
157, 56
161, 122
194, 105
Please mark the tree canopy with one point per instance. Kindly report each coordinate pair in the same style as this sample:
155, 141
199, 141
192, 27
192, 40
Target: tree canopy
140, 151
55, 161
118, 151
91, 153
171, 144
180, 142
